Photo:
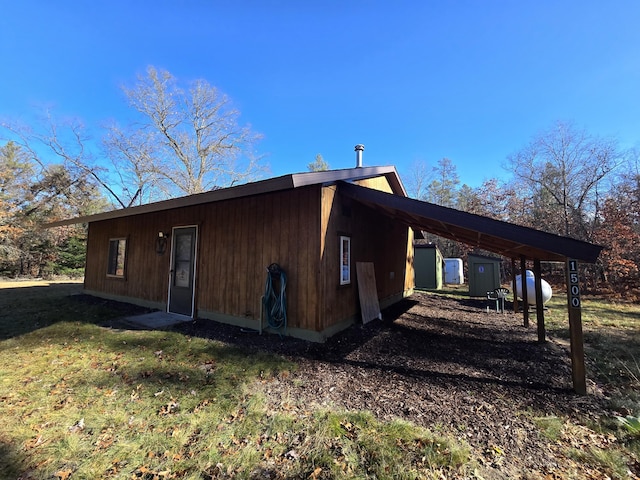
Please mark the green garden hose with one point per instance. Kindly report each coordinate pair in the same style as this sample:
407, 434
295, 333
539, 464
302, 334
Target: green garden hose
275, 298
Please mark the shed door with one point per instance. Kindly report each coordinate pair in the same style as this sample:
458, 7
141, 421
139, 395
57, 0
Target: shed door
485, 278
183, 270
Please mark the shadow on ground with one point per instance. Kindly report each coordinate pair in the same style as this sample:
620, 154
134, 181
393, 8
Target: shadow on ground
24, 309
437, 361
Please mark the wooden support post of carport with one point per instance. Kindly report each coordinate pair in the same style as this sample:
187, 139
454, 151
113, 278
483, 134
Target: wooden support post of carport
537, 271
523, 286
578, 371
514, 285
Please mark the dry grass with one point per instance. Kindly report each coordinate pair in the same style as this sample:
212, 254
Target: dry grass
82, 401
612, 349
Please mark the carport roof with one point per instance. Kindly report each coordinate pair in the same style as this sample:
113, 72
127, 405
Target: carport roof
496, 236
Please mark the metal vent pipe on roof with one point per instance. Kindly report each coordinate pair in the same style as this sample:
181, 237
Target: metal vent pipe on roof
359, 150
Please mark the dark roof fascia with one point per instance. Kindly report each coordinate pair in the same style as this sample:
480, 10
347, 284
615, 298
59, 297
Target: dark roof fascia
284, 182
484, 230
329, 177
426, 245
483, 257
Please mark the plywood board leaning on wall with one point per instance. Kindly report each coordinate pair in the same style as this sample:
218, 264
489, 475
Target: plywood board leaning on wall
369, 305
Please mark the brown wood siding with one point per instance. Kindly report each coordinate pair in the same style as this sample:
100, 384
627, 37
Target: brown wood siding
375, 238
402, 255
410, 273
376, 183
383, 241
146, 273
237, 240
337, 300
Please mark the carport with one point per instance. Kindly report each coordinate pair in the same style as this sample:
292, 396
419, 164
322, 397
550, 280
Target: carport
509, 240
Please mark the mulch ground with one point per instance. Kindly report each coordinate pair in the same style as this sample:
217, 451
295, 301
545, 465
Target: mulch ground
450, 366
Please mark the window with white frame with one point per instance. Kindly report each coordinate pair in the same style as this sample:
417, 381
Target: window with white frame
117, 253
345, 260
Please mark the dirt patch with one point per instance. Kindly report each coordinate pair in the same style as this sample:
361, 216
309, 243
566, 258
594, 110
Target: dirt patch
448, 365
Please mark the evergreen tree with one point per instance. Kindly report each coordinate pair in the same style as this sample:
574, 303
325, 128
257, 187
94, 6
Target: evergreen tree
318, 165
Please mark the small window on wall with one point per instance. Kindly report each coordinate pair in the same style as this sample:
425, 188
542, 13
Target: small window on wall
117, 249
345, 260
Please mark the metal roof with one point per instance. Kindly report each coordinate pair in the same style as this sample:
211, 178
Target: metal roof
284, 182
496, 236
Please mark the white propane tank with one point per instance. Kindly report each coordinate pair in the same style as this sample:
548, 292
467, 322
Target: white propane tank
531, 288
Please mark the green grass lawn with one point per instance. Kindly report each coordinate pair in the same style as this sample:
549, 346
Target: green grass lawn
81, 401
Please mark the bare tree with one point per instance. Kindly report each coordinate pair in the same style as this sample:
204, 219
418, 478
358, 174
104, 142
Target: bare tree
66, 167
418, 178
564, 170
132, 154
185, 141
192, 138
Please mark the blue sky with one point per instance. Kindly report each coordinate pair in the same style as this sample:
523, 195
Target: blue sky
413, 81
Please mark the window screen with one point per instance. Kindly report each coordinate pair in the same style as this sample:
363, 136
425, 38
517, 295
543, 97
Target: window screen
345, 260
117, 248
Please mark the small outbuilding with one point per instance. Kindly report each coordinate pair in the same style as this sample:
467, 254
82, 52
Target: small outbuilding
427, 264
453, 271
483, 273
